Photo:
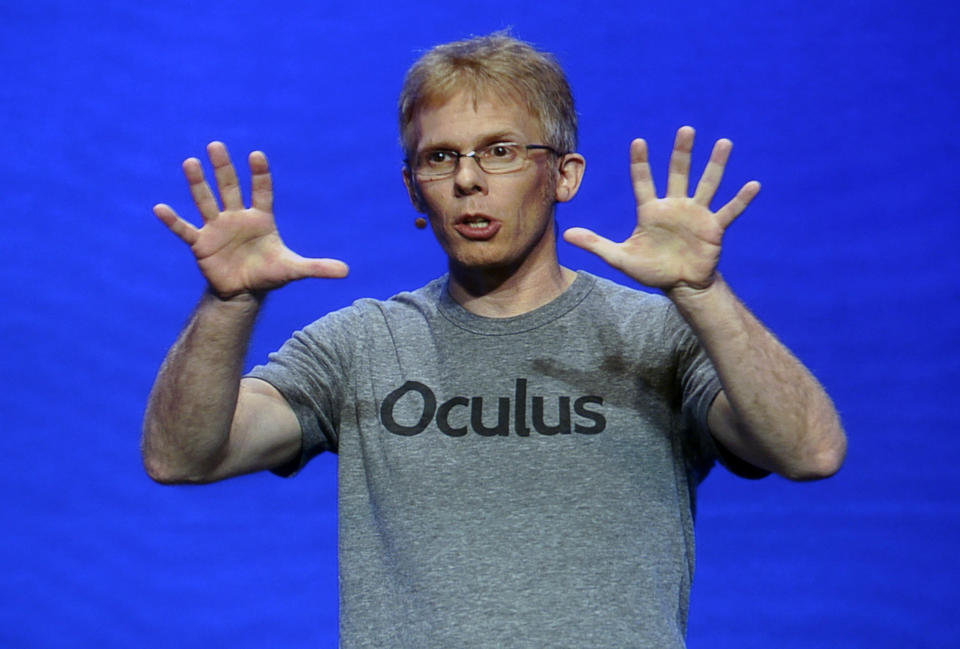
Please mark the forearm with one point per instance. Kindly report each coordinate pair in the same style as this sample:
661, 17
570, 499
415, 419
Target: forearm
779, 416
187, 425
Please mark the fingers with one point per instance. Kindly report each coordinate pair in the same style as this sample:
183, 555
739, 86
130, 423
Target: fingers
228, 184
226, 175
200, 190
643, 188
678, 181
738, 204
261, 181
183, 229
713, 174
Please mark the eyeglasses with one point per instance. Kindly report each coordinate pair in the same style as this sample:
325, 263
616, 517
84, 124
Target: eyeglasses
497, 158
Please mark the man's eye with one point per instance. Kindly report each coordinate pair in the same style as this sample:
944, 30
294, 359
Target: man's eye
438, 157
500, 151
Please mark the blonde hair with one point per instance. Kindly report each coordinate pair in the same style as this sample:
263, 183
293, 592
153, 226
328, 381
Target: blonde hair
497, 65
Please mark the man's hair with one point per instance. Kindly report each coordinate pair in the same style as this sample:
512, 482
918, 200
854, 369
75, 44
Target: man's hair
497, 65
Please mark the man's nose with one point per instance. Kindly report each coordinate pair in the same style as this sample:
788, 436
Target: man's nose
469, 177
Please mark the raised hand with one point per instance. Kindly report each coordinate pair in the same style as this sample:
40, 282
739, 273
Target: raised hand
677, 240
239, 249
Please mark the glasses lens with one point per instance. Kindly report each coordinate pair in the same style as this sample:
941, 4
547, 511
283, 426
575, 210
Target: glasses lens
501, 157
436, 163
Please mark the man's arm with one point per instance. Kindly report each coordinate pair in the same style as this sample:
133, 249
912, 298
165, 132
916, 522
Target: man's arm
202, 422
772, 412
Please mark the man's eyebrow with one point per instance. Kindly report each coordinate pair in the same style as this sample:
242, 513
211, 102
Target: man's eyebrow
500, 136
442, 145
505, 135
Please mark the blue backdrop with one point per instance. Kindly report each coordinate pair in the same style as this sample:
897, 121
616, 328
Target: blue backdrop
846, 111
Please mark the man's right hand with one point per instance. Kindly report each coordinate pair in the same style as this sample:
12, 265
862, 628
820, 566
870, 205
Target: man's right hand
238, 249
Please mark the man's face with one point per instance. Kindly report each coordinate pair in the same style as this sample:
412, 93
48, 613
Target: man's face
486, 221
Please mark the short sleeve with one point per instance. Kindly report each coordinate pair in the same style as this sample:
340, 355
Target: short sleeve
700, 385
311, 370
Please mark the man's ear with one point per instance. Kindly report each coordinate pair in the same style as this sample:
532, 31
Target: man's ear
572, 166
413, 190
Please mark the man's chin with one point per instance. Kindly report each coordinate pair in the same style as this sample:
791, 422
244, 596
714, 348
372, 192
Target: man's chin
480, 263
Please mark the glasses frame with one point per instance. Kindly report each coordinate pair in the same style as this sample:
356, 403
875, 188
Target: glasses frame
473, 154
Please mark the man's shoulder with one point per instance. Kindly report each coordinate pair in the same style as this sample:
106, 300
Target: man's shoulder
425, 297
361, 309
369, 318
366, 311
621, 297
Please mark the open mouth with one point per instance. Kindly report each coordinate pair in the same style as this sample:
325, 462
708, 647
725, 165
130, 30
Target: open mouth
476, 222
477, 226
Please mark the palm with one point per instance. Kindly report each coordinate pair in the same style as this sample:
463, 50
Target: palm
677, 239
239, 249
243, 251
676, 242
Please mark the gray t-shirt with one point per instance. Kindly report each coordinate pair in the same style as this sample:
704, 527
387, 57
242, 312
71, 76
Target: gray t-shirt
515, 482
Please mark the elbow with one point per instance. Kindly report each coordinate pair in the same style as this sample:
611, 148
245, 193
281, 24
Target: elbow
166, 474
824, 462
159, 472
162, 472
166, 470
817, 469
158, 468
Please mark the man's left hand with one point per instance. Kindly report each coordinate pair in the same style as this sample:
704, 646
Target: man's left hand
677, 241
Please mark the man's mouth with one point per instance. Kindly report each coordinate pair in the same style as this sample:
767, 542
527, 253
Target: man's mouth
476, 222
476, 227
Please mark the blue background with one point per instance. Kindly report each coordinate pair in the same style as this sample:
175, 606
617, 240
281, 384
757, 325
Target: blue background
845, 111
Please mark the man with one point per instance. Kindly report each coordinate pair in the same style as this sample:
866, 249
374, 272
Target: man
519, 444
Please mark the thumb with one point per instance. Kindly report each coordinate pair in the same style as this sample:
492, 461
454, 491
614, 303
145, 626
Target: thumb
322, 268
593, 242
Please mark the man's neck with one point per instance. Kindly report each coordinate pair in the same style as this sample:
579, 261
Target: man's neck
509, 292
